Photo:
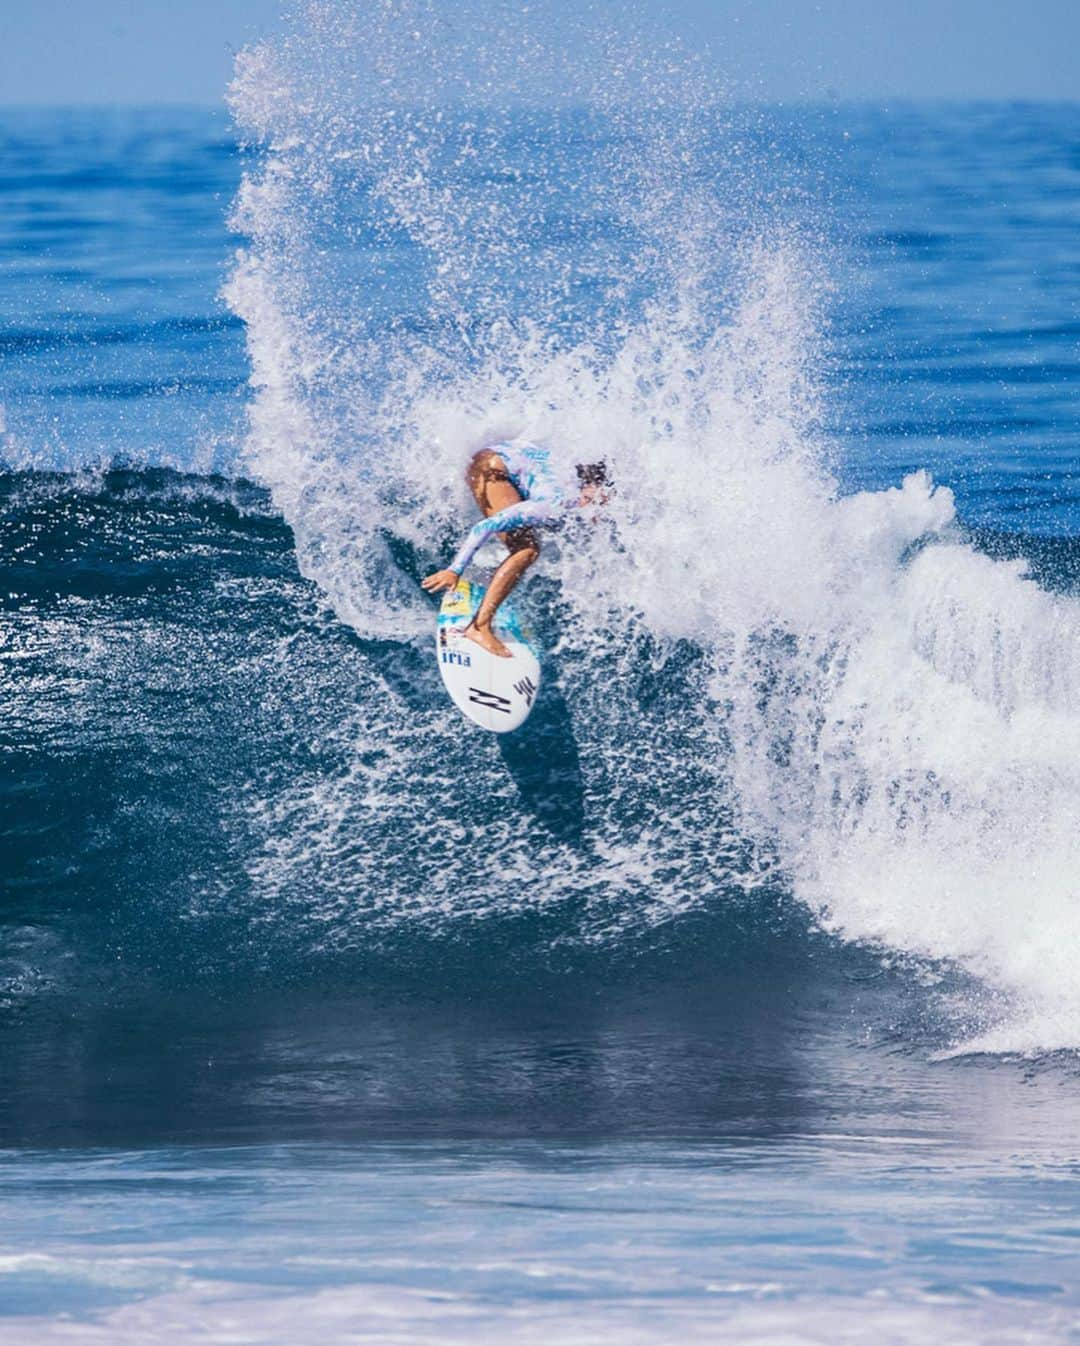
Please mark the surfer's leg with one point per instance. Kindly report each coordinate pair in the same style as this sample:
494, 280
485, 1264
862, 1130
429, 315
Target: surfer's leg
524, 549
494, 492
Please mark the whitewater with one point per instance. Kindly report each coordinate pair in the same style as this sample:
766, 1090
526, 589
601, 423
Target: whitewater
890, 716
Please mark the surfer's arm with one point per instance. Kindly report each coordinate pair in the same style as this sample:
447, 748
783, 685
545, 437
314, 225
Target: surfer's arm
521, 514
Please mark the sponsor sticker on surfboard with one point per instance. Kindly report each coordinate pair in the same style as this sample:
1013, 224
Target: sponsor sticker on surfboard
494, 692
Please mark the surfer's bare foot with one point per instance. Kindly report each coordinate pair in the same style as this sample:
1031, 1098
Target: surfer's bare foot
486, 638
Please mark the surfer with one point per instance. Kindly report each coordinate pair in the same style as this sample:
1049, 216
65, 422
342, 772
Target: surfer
517, 492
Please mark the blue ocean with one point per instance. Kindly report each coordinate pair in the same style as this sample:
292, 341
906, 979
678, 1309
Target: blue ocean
735, 997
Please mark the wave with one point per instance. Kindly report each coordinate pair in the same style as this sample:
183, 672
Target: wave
240, 788
768, 681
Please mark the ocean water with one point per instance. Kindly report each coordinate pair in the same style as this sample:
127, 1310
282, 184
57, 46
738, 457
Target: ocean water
733, 999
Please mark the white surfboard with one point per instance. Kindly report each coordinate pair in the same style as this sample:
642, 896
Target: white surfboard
494, 692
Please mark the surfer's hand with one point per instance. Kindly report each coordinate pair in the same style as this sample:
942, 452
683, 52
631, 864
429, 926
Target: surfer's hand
442, 579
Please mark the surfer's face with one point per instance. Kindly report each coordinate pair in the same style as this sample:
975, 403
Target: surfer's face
593, 480
593, 494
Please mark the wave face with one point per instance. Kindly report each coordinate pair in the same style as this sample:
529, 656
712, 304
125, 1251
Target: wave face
258, 882
316, 791
765, 680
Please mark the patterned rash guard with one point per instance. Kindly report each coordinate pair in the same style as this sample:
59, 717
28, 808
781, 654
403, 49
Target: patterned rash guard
545, 498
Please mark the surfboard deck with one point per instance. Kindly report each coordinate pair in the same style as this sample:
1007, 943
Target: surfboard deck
495, 693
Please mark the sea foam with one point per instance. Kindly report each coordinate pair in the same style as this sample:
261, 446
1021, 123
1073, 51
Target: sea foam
891, 717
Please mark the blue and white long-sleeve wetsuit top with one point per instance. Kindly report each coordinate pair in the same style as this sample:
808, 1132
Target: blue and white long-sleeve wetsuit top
545, 498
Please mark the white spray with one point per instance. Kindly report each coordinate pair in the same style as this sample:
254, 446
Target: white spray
893, 715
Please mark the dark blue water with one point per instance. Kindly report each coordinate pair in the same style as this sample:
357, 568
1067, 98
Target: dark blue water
732, 999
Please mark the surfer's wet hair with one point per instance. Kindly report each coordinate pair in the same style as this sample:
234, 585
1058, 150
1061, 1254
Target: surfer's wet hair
593, 474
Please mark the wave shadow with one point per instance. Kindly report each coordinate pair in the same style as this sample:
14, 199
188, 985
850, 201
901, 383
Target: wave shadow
408, 669
542, 757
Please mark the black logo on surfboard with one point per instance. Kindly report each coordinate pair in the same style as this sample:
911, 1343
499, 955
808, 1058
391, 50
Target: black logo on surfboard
489, 700
526, 688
